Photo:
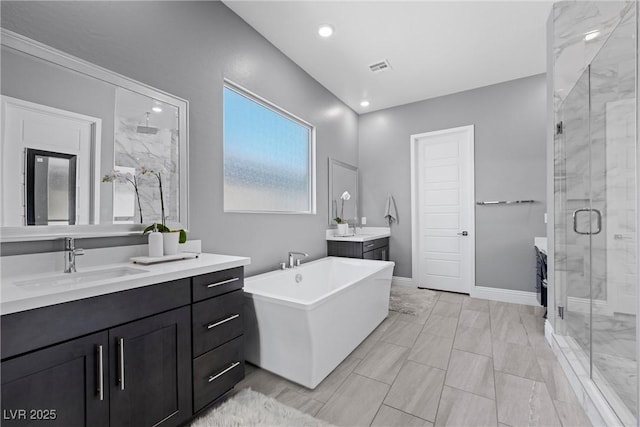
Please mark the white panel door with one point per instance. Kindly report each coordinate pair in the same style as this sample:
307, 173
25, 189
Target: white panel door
30, 125
443, 211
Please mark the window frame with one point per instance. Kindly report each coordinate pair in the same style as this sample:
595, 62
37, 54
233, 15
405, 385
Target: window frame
251, 96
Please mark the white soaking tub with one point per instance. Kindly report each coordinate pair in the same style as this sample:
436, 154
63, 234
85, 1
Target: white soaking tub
301, 323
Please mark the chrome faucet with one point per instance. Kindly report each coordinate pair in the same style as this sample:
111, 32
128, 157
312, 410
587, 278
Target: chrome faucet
291, 257
70, 253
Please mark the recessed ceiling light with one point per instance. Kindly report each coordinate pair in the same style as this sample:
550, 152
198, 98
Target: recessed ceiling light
157, 109
591, 35
325, 30
364, 103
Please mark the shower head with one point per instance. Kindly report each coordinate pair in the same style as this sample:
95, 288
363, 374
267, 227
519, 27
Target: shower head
147, 129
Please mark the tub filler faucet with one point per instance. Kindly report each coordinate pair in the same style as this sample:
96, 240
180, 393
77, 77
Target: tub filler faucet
292, 256
70, 253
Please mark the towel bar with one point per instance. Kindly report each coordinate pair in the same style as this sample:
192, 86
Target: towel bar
505, 202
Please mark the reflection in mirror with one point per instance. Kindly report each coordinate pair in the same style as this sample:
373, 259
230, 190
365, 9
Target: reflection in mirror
110, 123
343, 177
146, 137
51, 188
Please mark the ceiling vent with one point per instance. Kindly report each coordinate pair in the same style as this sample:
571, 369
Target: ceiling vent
380, 66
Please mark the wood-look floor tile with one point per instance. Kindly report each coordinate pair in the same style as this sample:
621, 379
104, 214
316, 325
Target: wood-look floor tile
417, 390
509, 331
266, 383
474, 319
355, 403
557, 383
471, 372
420, 318
330, 384
447, 309
432, 350
299, 401
391, 417
383, 362
473, 340
532, 324
475, 304
451, 297
522, 401
442, 326
402, 333
460, 408
517, 360
572, 414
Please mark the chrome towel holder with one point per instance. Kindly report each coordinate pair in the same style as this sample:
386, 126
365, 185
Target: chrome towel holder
505, 202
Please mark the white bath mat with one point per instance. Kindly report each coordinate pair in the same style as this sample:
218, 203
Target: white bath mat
409, 300
249, 408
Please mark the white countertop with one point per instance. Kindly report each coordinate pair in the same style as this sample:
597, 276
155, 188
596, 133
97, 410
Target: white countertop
15, 298
363, 234
540, 243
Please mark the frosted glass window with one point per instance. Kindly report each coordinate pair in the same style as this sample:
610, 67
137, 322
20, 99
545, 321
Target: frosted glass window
268, 157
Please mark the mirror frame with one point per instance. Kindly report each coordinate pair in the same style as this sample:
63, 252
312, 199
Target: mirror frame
51, 232
332, 164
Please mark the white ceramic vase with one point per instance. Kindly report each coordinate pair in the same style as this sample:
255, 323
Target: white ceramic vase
170, 241
155, 244
343, 229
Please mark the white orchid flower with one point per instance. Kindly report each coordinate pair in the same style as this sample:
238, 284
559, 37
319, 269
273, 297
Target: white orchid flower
345, 196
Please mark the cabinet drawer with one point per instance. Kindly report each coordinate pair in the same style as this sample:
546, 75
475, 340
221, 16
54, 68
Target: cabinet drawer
374, 244
216, 372
212, 284
216, 321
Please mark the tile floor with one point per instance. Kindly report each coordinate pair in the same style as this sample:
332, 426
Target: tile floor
462, 362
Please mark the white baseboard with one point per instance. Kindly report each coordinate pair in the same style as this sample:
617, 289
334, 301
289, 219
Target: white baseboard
402, 281
505, 295
585, 305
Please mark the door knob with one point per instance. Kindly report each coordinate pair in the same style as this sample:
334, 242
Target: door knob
464, 233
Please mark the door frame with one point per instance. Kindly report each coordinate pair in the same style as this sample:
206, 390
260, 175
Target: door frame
469, 216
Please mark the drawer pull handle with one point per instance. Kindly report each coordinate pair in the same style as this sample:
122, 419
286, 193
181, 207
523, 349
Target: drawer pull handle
100, 389
371, 245
223, 282
233, 365
213, 325
121, 363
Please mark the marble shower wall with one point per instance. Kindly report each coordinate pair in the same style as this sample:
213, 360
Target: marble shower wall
611, 78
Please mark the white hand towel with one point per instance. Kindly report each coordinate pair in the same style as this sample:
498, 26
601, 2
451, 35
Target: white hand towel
390, 213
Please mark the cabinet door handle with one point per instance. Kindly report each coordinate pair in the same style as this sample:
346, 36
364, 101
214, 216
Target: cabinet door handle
223, 282
371, 245
213, 325
121, 363
100, 389
213, 377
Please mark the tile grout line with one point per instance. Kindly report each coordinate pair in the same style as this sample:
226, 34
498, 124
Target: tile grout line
493, 363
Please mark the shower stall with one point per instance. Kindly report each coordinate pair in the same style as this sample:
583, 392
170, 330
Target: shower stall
595, 227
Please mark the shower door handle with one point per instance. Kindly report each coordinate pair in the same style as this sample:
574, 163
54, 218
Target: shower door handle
598, 221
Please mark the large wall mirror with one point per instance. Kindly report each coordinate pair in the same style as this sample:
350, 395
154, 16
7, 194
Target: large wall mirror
343, 191
86, 152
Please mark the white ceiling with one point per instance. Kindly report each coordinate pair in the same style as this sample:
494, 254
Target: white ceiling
435, 47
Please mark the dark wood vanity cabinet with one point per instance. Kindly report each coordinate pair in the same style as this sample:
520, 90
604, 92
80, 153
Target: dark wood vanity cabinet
377, 249
127, 358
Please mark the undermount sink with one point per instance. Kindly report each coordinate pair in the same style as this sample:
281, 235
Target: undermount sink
81, 278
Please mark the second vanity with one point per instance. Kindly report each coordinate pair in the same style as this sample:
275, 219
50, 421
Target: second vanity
152, 347
365, 243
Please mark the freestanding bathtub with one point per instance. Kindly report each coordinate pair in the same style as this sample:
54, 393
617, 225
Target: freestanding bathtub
302, 322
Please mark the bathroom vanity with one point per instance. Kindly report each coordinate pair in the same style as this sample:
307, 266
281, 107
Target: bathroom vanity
367, 243
148, 348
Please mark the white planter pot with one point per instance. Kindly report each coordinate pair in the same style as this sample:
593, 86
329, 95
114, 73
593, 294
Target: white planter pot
155, 244
170, 241
343, 229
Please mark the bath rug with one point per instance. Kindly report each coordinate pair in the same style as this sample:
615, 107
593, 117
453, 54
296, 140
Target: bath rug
409, 300
249, 408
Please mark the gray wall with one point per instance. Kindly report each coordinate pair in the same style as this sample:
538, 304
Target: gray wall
187, 48
510, 137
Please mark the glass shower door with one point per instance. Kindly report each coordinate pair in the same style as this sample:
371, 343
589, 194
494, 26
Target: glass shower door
613, 193
595, 230
572, 192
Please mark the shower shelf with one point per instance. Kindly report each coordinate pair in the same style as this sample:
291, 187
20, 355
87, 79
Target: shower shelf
505, 202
